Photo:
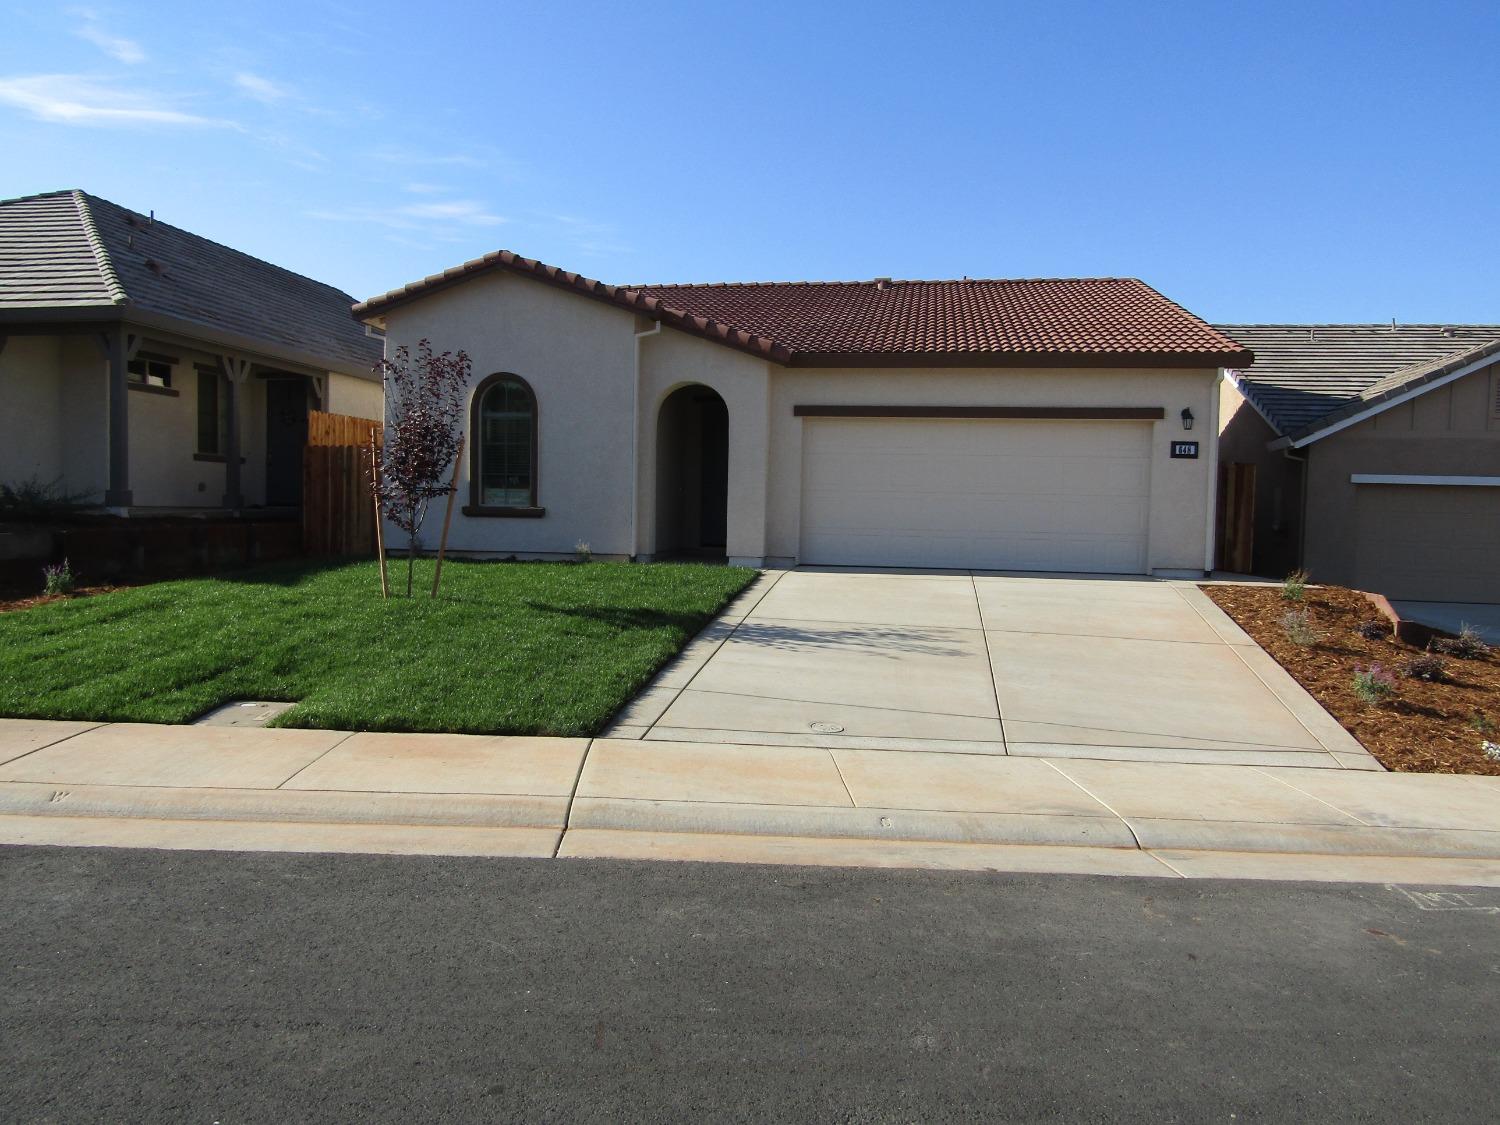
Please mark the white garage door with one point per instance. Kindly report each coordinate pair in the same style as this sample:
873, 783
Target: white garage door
986, 494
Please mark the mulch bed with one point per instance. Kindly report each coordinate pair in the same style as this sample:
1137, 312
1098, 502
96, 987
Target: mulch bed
1425, 727
10, 601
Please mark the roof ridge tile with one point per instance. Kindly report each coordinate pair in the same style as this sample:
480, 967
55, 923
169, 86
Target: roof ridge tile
106, 265
836, 323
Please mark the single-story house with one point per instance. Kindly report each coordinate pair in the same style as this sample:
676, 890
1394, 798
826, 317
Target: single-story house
149, 369
1051, 425
1377, 454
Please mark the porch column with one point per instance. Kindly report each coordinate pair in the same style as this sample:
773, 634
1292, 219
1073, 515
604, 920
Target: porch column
236, 371
118, 494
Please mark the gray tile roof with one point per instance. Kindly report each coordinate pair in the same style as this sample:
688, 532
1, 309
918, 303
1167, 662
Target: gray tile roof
1306, 375
74, 251
51, 256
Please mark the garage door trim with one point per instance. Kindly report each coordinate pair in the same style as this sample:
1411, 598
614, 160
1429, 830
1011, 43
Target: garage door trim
1429, 481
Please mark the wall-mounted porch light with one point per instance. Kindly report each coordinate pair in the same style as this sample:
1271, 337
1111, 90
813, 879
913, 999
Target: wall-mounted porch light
1187, 418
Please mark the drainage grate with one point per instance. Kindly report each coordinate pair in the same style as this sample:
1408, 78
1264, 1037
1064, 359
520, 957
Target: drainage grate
242, 713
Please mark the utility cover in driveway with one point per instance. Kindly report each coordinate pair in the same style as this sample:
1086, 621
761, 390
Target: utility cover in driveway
995, 494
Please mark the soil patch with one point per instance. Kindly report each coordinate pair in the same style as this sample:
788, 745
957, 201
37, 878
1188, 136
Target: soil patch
10, 602
1424, 727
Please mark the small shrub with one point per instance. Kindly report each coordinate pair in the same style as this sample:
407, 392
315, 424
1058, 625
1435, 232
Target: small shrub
1429, 666
36, 499
1468, 645
58, 578
1373, 684
1374, 629
1298, 626
582, 552
1482, 724
1294, 586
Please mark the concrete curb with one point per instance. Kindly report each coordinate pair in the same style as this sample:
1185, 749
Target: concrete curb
1314, 839
835, 825
825, 822
459, 810
1025, 829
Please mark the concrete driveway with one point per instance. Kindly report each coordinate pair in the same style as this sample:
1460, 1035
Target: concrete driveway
1085, 666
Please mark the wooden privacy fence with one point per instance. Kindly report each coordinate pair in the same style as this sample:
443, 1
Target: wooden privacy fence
340, 429
1237, 553
338, 509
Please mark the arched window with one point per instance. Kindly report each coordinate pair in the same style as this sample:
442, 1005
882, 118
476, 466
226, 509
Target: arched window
502, 477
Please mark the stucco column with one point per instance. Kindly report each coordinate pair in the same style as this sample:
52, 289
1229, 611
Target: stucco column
236, 370
118, 494
749, 467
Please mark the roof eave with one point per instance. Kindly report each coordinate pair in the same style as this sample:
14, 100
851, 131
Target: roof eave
269, 349
62, 314
1186, 360
1235, 377
630, 300
1353, 414
109, 316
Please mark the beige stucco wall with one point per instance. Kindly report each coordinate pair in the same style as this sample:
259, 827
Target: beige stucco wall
54, 423
1450, 430
592, 374
765, 474
31, 409
53, 414
671, 359
164, 473
1180, 494
578, 356
358, 398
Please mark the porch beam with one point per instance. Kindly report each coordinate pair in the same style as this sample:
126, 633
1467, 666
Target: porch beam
236, 372
113, 344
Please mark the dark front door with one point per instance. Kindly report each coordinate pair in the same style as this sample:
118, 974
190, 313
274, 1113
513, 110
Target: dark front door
286, 435
713, 500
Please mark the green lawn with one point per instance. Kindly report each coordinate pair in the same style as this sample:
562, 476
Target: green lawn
515, 648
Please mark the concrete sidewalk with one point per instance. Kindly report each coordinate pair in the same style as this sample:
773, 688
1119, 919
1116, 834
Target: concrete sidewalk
245, 788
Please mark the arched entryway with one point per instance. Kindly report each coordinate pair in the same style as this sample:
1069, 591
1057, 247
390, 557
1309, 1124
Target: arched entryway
692, 473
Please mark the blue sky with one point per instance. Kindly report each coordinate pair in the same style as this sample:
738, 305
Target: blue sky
1253, 161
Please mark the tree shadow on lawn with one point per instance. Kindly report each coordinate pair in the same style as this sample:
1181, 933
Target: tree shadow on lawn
631, 620
288, 573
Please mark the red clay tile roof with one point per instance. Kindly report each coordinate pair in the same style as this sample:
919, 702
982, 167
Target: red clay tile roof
1056, 321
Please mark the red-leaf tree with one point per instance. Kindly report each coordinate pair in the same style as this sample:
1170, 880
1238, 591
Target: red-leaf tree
424, 400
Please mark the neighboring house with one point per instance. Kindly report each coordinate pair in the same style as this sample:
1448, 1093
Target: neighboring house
150, 369
1022, 425
1378, 454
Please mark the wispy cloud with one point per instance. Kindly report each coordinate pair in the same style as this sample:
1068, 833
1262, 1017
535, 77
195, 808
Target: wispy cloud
116, 47
392, 154
260, 88
431, 217
587, 236
75, 99
467, 211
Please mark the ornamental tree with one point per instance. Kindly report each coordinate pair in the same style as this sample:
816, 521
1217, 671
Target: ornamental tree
424, 399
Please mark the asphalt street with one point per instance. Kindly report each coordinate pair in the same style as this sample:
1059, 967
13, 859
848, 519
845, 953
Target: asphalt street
221, 987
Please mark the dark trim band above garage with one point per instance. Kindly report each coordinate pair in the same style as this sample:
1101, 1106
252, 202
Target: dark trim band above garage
1085, 413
